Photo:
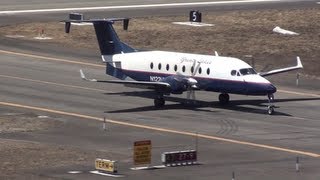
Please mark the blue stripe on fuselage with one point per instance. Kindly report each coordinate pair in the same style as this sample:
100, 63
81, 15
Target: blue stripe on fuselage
212, 84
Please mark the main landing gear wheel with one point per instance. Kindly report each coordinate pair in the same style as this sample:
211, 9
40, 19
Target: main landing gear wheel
159, 102
270, 106
270, 110
224, 98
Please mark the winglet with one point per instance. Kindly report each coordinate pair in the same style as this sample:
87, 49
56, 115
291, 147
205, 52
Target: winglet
299, 64
277, 71
216, 53
84, 77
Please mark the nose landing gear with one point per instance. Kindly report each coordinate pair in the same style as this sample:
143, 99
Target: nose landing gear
271, 105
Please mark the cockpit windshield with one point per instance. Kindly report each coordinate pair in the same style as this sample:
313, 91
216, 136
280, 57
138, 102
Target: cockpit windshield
247, 71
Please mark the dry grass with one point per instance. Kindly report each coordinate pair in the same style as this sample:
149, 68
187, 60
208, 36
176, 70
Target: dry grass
235, 33
23, 159
26, 123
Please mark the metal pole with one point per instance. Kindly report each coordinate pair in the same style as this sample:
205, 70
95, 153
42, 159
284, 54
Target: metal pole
297, 81
233, 176
104, 124
196, 141
297, 164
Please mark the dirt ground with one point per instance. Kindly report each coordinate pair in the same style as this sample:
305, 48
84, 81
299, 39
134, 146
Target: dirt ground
15, 122
236, 33
21, 158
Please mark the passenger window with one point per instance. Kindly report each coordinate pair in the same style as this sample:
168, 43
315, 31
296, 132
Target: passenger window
167, 67
208, 71
238, 74
175, 67
159, 66
233, 72
151, 65
183, 68
200, 70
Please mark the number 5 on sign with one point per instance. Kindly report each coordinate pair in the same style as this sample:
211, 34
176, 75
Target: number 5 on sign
195, 16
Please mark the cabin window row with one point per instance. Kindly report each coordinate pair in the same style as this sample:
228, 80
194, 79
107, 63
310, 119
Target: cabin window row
175, 67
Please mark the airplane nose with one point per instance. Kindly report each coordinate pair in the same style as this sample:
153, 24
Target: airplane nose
271, 89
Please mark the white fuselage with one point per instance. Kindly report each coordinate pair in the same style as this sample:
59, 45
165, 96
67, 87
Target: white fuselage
213, 73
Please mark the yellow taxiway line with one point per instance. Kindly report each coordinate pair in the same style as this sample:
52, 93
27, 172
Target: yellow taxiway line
316, 155
38, 57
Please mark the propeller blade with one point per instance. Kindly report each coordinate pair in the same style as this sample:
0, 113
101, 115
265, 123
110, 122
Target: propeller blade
191, 95
196, 69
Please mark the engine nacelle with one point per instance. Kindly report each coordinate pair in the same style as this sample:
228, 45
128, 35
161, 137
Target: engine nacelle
177, 86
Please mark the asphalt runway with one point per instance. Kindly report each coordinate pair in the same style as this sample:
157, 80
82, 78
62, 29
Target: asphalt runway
44, 79
168, 10
50, 85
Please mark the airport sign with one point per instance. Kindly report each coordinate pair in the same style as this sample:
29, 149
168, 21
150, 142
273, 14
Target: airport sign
106, 165
142, 152
178, 158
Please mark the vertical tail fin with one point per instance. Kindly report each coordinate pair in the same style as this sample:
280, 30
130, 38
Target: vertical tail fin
108, 39
109, 42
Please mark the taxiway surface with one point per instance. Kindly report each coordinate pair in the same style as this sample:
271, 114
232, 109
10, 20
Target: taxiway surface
12, 12
253, 143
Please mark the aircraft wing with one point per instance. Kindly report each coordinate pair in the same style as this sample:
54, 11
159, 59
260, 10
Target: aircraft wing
277, 71
160, 86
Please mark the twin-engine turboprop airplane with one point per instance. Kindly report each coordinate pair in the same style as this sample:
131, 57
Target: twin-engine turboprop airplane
174, 73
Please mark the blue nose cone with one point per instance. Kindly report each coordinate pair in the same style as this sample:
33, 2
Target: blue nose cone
271, 89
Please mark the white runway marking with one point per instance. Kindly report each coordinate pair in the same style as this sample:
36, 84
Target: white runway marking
105, 174
43, 117
74, 172
15, 36
148, 167
134, 6
42, 38
196, 24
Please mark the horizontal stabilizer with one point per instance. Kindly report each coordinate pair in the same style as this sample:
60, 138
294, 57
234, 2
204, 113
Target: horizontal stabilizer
108, 40
109, 20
